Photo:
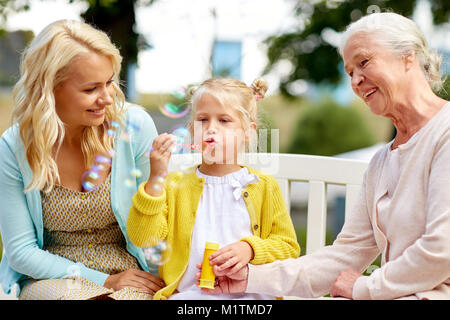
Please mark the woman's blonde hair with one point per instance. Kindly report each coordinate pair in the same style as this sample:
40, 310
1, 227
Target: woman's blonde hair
43, 66
402, 36
233, 93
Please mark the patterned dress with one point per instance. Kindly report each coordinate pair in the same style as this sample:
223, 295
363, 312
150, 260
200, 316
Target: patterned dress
81, 227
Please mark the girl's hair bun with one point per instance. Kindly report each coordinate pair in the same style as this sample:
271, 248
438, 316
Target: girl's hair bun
259, 88
191, 90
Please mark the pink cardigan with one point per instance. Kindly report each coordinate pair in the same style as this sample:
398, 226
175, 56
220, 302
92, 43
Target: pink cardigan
413, 236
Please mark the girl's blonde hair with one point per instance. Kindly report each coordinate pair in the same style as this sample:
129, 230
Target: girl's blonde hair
43, 66
234, 93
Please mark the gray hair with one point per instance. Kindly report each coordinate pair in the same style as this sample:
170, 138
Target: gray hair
402, 36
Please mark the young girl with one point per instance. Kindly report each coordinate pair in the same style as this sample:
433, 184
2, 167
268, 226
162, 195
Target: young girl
219, 201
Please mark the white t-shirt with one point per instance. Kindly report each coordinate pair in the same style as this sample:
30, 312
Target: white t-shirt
222, 217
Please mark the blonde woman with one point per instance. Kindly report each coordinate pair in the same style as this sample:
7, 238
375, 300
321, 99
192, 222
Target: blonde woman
403, 211
65, 237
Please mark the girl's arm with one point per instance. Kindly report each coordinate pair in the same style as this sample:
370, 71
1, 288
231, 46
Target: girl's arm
19, 235
147, 220
277, 239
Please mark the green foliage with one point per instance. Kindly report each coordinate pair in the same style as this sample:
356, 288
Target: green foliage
327, 129
265, 123
445, 92
7, 6
116, 18
314, 59
300, 232
441, 11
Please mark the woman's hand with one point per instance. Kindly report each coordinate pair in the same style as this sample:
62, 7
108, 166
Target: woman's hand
137, 279
233, 257
235, 283
159, 163
343, 285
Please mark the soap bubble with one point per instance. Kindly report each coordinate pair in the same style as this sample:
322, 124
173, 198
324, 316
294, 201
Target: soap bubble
174, 111
111, 152
158, 254
73, 277
112, 128
100, 159
136, 173
125, 136
89, 180
180, 93
373, 9
159, 185
98, 167
129, 183
132, 126
177, 180
182, 139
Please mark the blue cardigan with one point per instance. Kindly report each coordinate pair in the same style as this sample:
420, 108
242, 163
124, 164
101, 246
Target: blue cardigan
21, 225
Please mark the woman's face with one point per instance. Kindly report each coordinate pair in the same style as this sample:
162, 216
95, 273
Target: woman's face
377, 75
82, 98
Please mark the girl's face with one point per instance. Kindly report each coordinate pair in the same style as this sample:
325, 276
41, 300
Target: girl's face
81, 99
218, 129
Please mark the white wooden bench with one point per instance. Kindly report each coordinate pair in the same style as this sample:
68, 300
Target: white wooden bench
317, 171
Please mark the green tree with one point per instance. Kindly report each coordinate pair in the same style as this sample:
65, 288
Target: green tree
116, 18
316, 60
327, 128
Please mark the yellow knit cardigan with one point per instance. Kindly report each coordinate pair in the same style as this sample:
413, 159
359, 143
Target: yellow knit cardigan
171, 216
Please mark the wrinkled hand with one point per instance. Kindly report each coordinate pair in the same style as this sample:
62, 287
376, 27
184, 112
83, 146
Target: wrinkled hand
235, 283
137, 279
343, 285
232, 258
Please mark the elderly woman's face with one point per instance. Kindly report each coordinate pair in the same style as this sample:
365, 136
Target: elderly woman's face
377, 75
81, 99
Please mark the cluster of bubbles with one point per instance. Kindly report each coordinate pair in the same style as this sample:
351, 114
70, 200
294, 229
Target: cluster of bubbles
90, 179
158, 254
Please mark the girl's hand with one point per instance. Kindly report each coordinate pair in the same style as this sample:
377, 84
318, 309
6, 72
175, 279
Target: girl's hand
159, 163
232, 258
234, 283
137, 279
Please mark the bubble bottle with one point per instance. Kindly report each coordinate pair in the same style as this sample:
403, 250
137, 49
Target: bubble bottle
207, 276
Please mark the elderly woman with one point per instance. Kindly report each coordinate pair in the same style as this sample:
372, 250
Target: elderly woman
63, 167
403, 210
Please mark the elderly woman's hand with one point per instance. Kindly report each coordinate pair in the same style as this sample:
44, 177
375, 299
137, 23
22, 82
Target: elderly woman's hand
343, 285
233, 283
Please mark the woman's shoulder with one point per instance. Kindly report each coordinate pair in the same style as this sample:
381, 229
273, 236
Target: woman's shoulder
139, 122
136, 113
11, 138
